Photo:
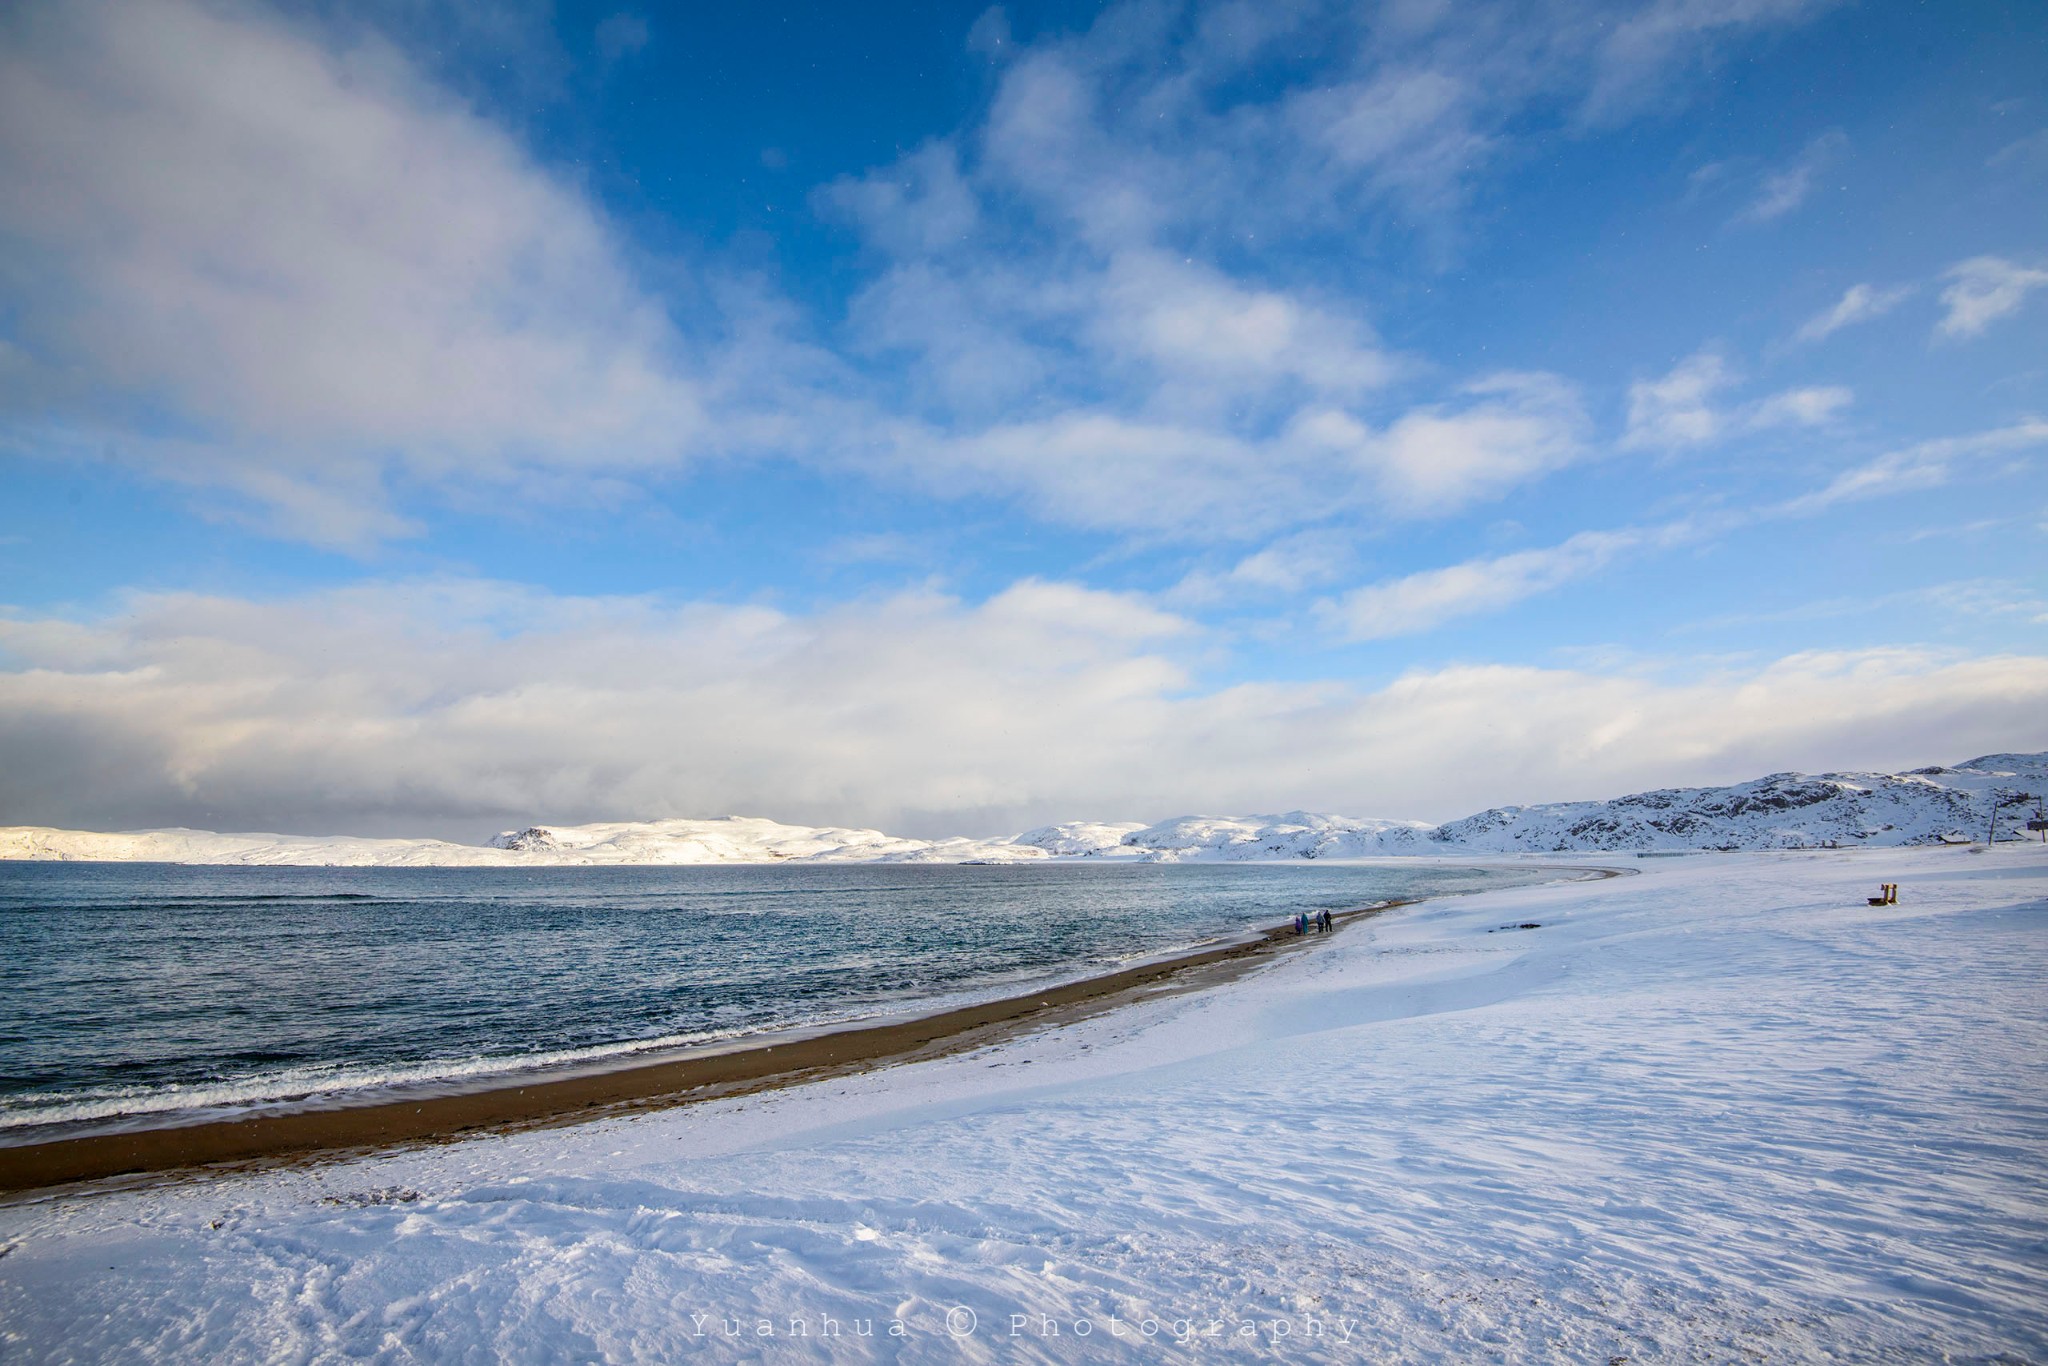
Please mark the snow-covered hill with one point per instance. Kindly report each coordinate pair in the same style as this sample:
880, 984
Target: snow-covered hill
38, 843
742, 839
731, 839
1298, 834
1782, 811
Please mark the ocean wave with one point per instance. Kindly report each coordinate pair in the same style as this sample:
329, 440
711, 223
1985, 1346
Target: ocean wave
322, 1082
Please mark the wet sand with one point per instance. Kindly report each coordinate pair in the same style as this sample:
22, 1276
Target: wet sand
539, 1099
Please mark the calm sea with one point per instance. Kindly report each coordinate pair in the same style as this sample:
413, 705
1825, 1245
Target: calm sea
143, 989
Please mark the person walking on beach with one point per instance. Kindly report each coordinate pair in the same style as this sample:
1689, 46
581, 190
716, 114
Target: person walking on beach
1301, 922
1326, 922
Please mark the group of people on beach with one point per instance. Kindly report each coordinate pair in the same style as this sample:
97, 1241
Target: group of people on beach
1323, 921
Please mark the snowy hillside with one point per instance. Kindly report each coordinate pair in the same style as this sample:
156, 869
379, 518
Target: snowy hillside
1298, 834
27, 842
1080, 838
1782, 811
731, 839
741, 839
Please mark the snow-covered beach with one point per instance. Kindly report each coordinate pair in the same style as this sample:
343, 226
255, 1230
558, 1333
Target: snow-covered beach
1721, 1110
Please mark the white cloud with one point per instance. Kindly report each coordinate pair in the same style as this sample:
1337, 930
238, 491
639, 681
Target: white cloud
1179, 476
1202, 333
1410, 132
1808, 407
1051, 137
1639, 48
462, 707
1100, 470
1785, 189
1423, 601
1985, 598
1138, 128
919, 205
1927, 465
1677, 409
457, 698
1540, 734
1138, 329
1504, 431
1680, 410
318, 266
975, 349
1924, 466
1985, 289
990, 33
1957, 598
1271, 576
1858, 304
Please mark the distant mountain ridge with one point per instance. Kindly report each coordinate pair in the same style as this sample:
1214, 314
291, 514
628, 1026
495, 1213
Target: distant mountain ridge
1781, 811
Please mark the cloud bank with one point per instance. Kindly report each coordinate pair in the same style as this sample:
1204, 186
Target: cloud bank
457, 707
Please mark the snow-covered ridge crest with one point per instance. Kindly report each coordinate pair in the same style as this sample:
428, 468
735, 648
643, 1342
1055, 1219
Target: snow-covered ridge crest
1781, 811
1297, 834
730, 839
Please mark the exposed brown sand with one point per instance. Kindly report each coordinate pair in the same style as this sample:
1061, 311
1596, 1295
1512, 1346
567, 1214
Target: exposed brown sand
543, 1099
552, 1098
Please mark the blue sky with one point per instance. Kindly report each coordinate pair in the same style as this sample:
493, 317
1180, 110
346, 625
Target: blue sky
432, 418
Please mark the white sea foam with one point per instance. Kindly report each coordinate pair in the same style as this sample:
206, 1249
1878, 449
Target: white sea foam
325, 1084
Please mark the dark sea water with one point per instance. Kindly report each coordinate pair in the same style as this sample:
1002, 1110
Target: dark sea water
131, 989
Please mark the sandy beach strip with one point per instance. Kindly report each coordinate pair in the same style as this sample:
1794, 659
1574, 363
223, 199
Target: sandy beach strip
538, 1099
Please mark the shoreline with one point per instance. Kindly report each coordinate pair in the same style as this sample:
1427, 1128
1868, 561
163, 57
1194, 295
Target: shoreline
514, 1101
